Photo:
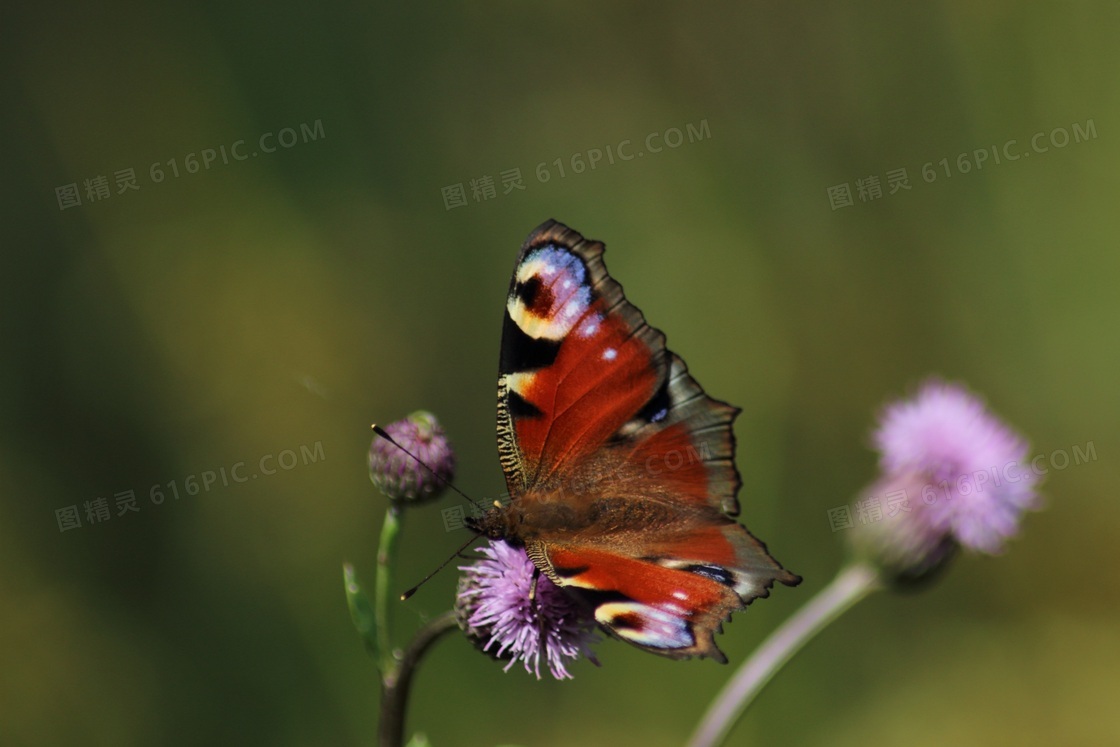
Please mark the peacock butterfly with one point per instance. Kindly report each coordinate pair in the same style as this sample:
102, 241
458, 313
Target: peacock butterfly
620, 468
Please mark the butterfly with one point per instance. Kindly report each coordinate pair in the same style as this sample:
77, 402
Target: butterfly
620, 468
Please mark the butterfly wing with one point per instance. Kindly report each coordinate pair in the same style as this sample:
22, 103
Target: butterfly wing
621, 467
556, 404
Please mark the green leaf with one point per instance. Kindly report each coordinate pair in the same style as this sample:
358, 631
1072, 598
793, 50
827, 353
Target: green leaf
419, 739
361, 611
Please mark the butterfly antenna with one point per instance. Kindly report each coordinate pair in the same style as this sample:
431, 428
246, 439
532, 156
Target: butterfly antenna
442, 565
381, 432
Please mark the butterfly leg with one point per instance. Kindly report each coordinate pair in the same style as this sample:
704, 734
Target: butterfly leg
533, 585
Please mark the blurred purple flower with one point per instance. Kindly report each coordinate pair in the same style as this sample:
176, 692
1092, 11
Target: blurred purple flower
398, 475
963, 472
497, 615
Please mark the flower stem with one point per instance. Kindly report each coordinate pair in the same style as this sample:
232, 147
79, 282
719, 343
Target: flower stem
851, 584
395, 687
386, 554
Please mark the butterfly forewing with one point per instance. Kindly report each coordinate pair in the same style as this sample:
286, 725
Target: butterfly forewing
577, 360
620, 466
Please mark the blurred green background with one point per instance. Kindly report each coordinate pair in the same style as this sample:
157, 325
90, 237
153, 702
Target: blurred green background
283, 302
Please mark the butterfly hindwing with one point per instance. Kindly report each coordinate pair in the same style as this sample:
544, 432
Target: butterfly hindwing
673, 597
667, 610
621, 468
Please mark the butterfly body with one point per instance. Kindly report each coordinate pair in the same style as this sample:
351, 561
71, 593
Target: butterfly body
620, 468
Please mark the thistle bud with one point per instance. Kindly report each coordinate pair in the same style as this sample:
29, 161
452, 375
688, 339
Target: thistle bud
399, 475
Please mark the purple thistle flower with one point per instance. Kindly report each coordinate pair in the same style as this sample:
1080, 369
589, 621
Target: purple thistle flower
497, 615
963, 472
398, 475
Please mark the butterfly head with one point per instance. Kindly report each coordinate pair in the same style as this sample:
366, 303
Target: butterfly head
494, 523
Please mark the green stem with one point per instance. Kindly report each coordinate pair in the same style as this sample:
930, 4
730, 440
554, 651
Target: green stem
851, 584
395, 688
386, 554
